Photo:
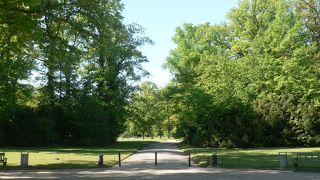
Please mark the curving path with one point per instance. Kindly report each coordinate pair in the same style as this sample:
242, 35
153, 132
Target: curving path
172, 164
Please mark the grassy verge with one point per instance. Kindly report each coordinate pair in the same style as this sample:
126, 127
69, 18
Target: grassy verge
257, 158
74, 157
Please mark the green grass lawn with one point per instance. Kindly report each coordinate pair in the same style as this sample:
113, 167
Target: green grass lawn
74, 157
257, 158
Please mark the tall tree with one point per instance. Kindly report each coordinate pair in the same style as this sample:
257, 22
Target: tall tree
84, 60
249, 82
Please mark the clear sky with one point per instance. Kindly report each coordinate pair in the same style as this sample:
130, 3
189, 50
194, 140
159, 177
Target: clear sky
160, 19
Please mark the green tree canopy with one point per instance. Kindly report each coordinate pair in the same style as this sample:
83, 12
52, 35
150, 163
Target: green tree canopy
252, 81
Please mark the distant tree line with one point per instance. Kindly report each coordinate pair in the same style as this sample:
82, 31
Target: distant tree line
149, 112
67, 70
253, 81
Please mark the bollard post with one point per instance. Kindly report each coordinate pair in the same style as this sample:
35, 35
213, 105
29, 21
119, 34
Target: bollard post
119, 157
189, 159
214, 158
155, 158
24, 159
100, 160
283, 159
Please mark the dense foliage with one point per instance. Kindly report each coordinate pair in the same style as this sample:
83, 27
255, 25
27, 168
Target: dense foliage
66, 71
149, 112
254, 81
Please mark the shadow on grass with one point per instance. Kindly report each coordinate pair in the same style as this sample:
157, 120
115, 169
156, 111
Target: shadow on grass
69, 164
124, 147
255, 158
57, 166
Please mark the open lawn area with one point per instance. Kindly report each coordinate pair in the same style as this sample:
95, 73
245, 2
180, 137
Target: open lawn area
257, 158
74, 157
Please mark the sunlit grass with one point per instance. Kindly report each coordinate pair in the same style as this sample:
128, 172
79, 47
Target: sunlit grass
257, 158
74, 157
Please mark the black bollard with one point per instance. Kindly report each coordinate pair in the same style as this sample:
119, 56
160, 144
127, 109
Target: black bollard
100, 161
214, 159
119, 157
155, 158
189, 159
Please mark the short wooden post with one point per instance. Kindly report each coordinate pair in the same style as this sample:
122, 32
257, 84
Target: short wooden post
189, 159
119, 157
155, 158
100, 160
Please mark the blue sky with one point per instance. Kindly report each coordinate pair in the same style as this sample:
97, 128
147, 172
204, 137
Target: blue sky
160, 19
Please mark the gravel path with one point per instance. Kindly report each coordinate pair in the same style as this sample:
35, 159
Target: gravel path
169, 156
172, 164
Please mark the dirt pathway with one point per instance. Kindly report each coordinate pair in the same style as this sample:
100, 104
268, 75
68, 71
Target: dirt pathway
172, 164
